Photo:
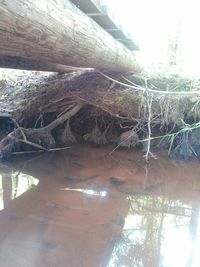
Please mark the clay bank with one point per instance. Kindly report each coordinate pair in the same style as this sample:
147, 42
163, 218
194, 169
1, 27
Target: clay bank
45, 111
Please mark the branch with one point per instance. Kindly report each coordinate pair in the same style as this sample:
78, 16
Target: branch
62, 118
139, 88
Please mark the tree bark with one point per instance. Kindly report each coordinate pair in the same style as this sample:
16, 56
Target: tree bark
58, 32
34, 65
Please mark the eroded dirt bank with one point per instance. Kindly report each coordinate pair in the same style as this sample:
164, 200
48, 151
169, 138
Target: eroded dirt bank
47, 111
84, 207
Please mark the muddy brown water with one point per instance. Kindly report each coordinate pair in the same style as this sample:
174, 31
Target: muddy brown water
83, 207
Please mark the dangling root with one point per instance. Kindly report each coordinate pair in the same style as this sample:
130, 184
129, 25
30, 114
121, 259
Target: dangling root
128, 139
40, 138
96, 136
67, 136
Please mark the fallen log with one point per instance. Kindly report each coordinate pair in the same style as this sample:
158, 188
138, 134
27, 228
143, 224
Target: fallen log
34, 65
58, 32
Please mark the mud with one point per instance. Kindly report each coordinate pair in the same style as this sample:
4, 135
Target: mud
85, 207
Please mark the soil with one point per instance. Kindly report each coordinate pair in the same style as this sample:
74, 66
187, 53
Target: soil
109, 114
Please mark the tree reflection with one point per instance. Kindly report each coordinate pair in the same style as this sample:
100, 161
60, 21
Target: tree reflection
152, 231
13, 184
7, 188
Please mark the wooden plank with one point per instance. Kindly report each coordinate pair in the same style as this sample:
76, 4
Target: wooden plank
104, 17
104, 21
89, 6
117, 33
99, 12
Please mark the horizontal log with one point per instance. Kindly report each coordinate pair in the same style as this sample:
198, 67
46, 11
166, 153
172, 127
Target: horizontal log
58, 32
34, 65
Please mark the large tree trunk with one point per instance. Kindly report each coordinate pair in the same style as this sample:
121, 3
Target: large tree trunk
34, 65
58, 32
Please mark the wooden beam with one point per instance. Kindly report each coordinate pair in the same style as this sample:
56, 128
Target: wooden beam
99, 12
34, 65
90, 6
58, 32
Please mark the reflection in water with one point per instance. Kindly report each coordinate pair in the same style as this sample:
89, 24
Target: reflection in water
110, 211
87, 191
13, 184
159, 232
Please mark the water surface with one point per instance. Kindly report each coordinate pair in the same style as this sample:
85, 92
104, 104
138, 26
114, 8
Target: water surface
85, 207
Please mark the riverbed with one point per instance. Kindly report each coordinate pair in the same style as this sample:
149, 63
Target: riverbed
88, 207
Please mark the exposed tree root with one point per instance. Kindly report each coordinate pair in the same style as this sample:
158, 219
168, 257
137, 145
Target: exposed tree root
96, 136
67, 136
40, 138
114, 111
128, 139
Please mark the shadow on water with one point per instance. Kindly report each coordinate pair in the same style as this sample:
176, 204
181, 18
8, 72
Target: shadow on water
84, 207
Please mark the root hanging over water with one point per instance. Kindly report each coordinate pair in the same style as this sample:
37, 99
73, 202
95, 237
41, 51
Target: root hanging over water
88, 106
67, 136
40, 138
128, 139
96, 136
